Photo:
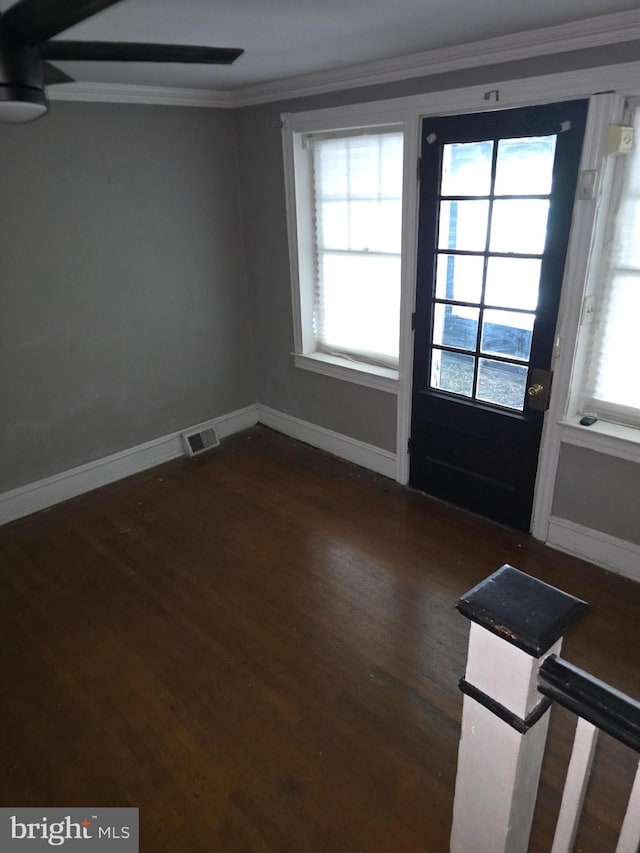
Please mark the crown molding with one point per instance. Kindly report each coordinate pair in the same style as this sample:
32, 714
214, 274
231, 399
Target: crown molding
117, 93
614, 28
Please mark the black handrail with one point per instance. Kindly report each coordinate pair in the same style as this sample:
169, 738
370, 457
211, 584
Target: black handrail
607, 708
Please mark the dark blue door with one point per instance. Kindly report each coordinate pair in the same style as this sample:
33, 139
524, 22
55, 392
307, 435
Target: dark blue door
496, 199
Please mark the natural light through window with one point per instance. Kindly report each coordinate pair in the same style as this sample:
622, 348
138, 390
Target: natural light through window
357, 192
492, 230
612, 387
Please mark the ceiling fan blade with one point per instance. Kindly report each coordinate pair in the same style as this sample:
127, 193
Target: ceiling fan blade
107, 51
53, 75
35, 21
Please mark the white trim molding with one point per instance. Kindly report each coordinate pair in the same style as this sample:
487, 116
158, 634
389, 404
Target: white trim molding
601, 112
76, 481
614, 28
357, 372
119, 93
410, 203
611, 553
610, 29
374, 458
603, 437
512, 92
100, 472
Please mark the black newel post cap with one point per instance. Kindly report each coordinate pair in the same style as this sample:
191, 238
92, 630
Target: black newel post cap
522, 610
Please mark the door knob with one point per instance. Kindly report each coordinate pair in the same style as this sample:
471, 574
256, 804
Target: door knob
538, 391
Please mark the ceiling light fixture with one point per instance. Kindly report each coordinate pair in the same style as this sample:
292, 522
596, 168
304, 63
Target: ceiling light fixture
19, 104
22, 94
27, 43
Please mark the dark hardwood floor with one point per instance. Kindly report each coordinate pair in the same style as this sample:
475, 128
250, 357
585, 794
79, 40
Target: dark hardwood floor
260, 650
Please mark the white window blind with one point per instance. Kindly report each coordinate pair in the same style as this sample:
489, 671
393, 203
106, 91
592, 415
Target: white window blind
357, 189
613, 380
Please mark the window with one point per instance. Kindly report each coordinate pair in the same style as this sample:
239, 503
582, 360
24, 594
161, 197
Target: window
357, 192
612, 387
493, 209
346, 252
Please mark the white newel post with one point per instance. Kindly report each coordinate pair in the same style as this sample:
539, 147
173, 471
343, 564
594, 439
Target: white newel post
516, 622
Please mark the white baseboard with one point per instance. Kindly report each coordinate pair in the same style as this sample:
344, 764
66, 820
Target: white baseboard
366, 455
60, 487
611, 553
76, 481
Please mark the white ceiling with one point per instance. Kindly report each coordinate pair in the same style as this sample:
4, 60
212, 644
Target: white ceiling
288, 38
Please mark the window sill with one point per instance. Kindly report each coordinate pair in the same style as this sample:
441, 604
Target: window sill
603, 437
369, 375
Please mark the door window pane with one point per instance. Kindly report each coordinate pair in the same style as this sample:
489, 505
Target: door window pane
466, 168
456, 326
507, 333
519, 225
459, 277
501, 383
525, 166
513, 282
452, 371
463, 225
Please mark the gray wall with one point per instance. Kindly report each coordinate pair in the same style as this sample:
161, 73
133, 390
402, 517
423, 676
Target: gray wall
598, 491
123, 292
363, 413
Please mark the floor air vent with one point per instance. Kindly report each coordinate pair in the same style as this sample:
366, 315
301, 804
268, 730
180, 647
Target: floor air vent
199, 441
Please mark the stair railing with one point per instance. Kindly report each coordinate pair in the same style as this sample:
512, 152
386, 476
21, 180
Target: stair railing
514, 674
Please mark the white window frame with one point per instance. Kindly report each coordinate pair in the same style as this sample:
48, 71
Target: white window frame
301, 234
614, 171
604, 436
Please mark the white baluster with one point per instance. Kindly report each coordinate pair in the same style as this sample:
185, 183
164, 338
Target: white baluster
575, 786
629, 840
